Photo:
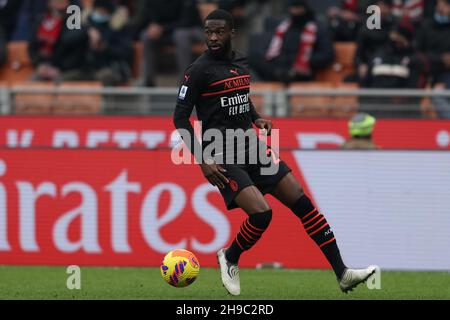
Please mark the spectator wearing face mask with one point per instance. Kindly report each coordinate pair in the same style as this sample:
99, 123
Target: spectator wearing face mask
119, 18
298, 49
434, 42
109, 51
53, 48
398, 65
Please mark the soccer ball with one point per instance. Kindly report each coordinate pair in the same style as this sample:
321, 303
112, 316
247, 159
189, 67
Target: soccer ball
180, 268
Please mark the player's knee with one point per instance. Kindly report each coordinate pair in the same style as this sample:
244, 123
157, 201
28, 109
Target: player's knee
263, 219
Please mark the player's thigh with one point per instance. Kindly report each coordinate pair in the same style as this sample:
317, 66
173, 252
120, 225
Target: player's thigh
252, 201
288, 190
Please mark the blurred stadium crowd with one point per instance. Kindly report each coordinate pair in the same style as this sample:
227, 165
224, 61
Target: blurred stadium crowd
291, 43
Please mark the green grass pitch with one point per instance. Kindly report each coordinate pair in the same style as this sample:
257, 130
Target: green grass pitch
146, 283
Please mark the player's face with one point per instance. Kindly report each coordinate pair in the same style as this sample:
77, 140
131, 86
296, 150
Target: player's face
218, 35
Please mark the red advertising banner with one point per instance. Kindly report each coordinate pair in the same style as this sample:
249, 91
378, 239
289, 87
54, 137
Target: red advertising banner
158, 132
123, 207
113, 196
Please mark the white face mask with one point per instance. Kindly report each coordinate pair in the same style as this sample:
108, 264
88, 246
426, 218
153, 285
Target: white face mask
441, 19
99, 17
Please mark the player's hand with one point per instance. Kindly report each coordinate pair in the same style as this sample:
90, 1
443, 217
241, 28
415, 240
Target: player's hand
214, 174
264, 124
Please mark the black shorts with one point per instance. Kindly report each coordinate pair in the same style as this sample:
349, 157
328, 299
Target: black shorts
243, 176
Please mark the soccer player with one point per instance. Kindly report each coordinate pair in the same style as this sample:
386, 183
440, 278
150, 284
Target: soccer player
217, 84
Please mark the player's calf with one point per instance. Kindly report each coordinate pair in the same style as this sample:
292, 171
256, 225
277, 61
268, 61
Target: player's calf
320, 231
251, 231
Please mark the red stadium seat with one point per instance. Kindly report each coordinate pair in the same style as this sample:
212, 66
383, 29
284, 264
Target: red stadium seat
342, 66
310, 106
78, 104
18, 67
33, 103
345, 106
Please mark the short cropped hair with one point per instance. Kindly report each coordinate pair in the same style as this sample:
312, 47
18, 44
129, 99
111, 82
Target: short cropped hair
221, 14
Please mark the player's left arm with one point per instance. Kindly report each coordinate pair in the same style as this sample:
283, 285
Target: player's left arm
259, 121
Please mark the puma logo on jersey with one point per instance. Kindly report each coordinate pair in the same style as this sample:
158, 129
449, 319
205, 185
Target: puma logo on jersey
234, 71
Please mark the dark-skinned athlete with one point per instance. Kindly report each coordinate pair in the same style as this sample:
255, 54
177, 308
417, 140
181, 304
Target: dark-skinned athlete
217, 85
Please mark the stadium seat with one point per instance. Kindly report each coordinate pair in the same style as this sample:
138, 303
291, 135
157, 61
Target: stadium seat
18, 67
345, 106
342, 66
258, 99
78, 104
33, 103
345, 53
310, 106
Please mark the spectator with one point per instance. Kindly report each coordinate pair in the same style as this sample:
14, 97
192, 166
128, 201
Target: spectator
28, 17
408, 10
434, 42
9, 11
361, 128
53, 48
109, 52
3, 46
250, 17
299, 47
346, 20
8, 17
238, 9
396, 66
119, 18
162, 23
370, 41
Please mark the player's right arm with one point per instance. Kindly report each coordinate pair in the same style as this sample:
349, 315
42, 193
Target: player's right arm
188, 96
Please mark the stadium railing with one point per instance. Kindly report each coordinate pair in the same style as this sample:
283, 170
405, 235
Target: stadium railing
298, 100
